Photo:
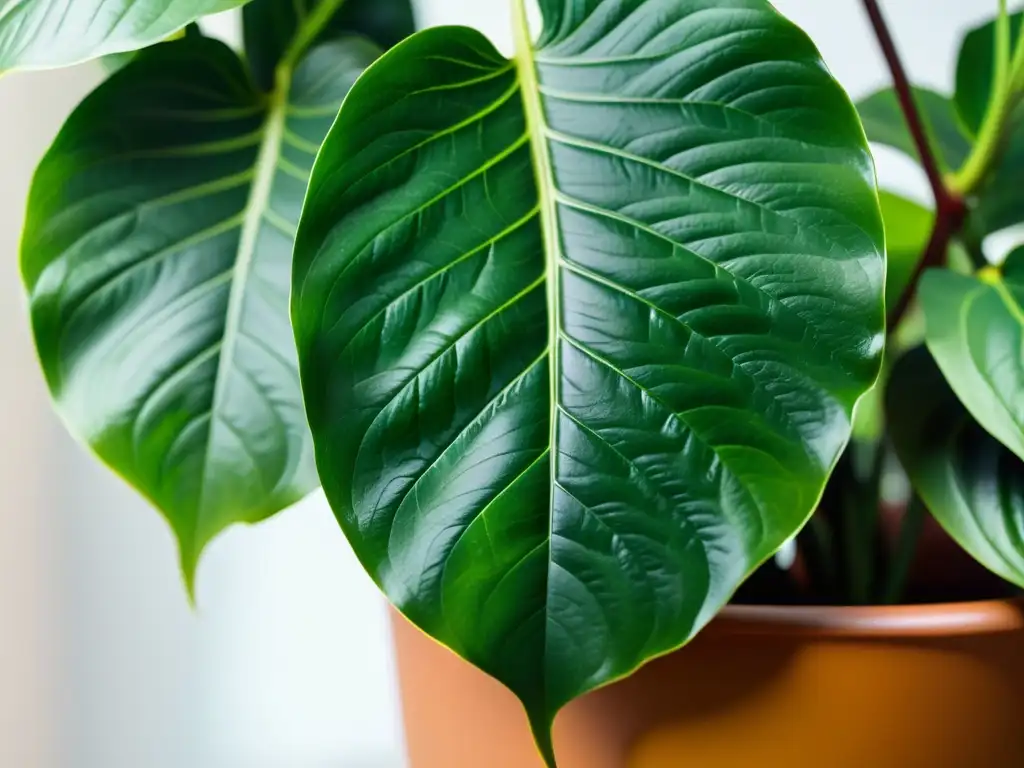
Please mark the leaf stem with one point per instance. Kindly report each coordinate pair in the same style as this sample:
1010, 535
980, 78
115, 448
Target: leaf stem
307, 33
1006, 87
950, 211
905, 94
906, 549
947, 224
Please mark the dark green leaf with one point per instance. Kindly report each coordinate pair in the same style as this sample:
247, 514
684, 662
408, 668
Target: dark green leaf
975, 71
1013, 266
975, 330
885, 124
971, 483
270, 26
36, 34
581, 333
157, 253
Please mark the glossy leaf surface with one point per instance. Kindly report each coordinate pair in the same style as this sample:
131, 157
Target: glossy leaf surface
270, 26
975, 330
37, 34
157, 256
581, 333
971, 483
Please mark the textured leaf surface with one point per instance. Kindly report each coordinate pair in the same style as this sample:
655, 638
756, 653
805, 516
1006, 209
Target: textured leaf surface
975, 330
581, 333
157, 256
52, 33
971, 483
271, 25
885, 124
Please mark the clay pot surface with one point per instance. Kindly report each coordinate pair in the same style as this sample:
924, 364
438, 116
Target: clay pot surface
931, 686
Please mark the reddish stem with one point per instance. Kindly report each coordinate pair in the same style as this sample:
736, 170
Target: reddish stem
905, 94
947, 224
950, 210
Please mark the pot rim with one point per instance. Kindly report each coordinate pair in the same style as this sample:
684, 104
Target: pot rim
983, 617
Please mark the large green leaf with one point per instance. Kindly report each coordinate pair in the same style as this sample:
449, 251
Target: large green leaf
271, 25
971, 483
157, 256
581, 333
885, 124
37, 34
975, 330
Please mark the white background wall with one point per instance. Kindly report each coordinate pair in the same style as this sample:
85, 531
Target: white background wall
287, 663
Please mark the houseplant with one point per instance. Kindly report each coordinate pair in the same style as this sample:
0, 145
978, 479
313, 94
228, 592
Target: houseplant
581, 334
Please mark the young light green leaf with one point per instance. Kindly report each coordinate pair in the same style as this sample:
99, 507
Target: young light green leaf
581, 332
975, 330
157, 255
39, 34
971, 483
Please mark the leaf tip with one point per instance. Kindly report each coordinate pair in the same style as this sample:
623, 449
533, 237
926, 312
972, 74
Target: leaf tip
189, 563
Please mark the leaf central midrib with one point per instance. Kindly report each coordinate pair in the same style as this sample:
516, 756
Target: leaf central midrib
268, 161
252, 217
537, 129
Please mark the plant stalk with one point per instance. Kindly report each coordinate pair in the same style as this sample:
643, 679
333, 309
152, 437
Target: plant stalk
308, 32
1006, 87
906, 549
951, 212
905, 95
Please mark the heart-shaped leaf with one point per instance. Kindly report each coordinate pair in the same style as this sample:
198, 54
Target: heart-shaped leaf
971, 483
975, 330
581, 332
157, 256
37, 34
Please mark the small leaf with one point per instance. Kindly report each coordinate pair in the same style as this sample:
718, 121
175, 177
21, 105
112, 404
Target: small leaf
975, 330
999, 203
270, 26
156, 254
39, 34
908, 227
885, 124
975, 71
581, 332
971, 483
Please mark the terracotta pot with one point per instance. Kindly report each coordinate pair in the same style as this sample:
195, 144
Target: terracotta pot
937, 686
